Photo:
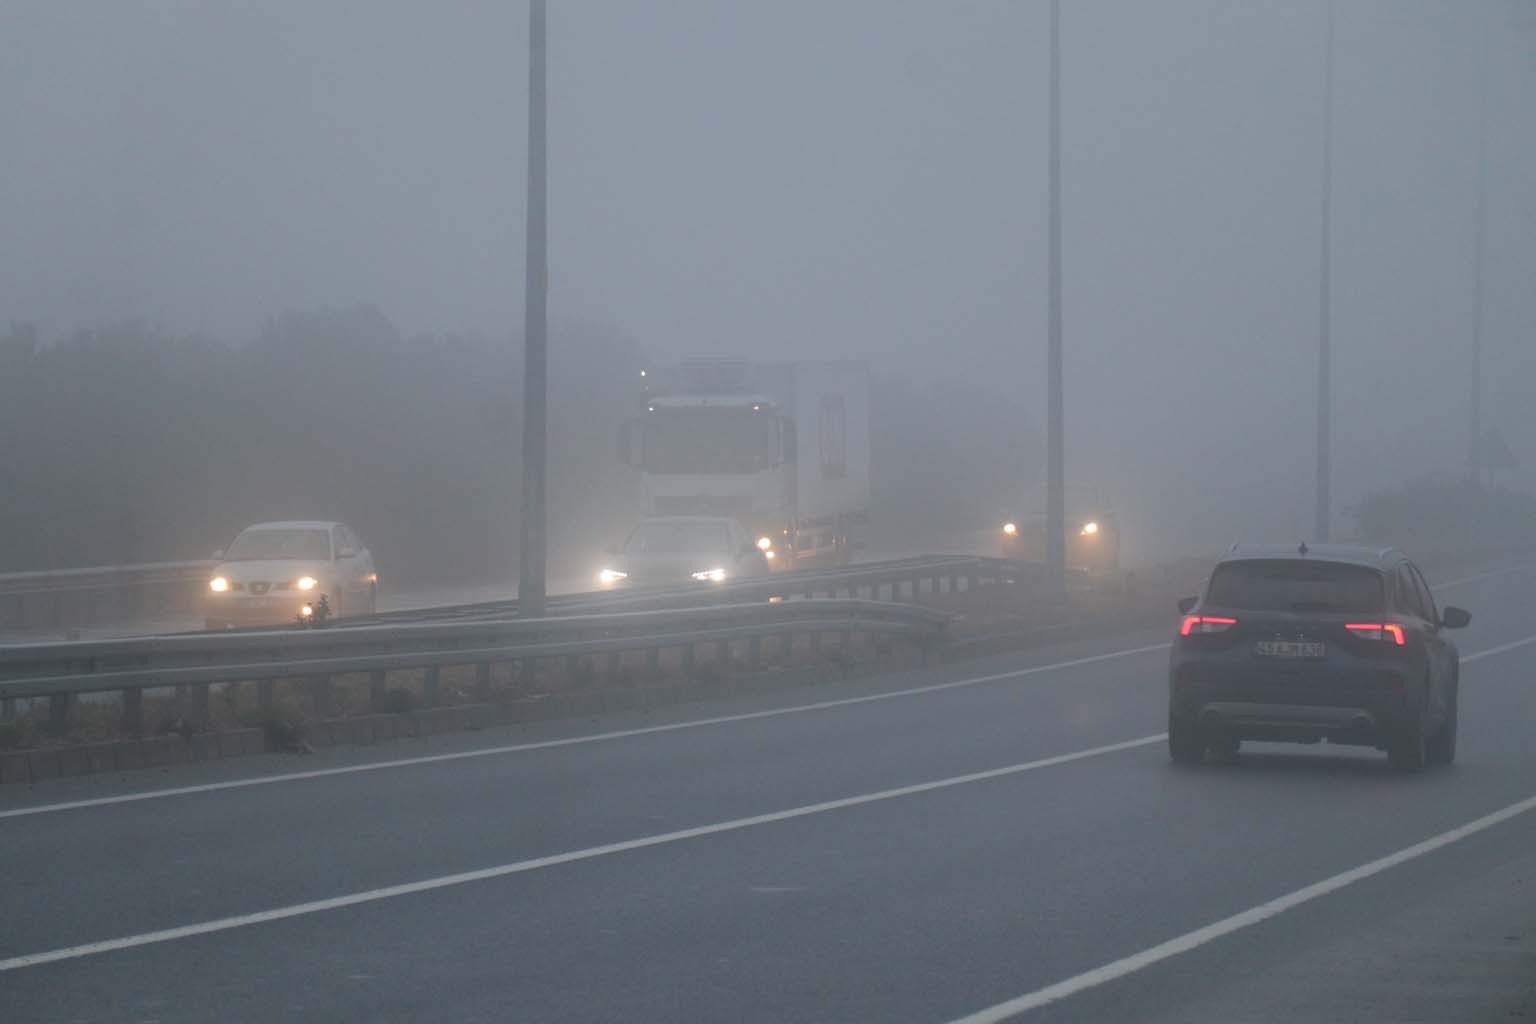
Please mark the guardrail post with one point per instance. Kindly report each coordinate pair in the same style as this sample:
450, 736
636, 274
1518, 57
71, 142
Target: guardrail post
786, 647
320, 694
133, 711
687, 659
755, 651
376, 690
264, 689
483, 681
58, 713
429, 679
192, 703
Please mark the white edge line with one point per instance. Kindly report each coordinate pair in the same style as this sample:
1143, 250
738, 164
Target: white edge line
1211, 932
695, 723
518, 867
1483, 576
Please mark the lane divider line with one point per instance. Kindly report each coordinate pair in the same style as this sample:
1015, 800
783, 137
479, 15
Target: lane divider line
569, 741
463, 878
1483, 576
1226, 926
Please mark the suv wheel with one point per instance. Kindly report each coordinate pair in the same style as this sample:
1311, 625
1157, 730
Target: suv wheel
1441, 748
1185, 743
1406, 751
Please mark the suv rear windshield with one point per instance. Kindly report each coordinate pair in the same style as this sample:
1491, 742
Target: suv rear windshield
1297, 586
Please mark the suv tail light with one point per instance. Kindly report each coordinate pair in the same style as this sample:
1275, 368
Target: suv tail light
1385, 632
1195, 624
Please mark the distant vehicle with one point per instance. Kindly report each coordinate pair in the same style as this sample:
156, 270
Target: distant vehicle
1092, 534
783, 448
1296, 644
277, 573
683, 550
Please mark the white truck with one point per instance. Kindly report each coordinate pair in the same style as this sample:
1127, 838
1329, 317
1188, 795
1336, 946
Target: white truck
781, 447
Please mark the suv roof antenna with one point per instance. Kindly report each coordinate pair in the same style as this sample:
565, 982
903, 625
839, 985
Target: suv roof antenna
1302, 549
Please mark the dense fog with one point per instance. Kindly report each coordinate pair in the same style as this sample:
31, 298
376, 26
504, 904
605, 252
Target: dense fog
266, 260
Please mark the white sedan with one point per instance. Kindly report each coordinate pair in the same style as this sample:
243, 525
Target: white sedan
278, 572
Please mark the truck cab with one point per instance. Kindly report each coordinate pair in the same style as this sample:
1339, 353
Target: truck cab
781, 448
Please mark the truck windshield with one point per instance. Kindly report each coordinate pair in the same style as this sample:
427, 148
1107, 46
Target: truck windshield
709, 441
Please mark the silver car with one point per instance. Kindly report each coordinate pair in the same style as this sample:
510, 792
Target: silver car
277, 573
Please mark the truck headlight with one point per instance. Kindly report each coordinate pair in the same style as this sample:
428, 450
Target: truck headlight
608, 576
710, 575
218, 584
1090, 528
307, 583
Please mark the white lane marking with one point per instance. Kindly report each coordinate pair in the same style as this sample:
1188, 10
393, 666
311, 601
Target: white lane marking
518, 867
1483, 576
1263, 912
1502, 648
694, 723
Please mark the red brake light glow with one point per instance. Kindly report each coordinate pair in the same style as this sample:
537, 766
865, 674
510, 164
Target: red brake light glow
1383, 631
1205, 624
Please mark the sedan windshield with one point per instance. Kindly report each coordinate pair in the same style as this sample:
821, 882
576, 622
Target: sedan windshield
1296, 585
677, 538
260, 545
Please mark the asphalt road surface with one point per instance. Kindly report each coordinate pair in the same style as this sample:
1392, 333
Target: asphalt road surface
994, 839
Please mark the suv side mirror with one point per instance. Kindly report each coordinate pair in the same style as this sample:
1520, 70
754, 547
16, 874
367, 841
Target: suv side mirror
1186, 603
1455, 618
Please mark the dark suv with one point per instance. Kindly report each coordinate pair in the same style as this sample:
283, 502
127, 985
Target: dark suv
1300, 645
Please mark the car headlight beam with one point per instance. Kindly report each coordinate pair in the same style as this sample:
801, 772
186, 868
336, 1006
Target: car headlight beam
608, 576
710, 575
1010, 529
1090, 528
307, 583
218, 584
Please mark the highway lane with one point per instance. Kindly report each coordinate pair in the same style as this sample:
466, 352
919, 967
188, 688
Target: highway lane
919, 907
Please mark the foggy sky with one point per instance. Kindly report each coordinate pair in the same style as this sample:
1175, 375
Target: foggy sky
806, 178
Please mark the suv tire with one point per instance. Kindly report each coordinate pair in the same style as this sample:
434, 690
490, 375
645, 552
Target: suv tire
1185, 743
1407, 749
1441, 748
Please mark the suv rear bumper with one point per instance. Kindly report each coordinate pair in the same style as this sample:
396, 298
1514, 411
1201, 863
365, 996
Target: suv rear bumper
1303, 723
1357, 709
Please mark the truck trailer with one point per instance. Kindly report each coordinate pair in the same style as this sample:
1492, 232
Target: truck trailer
783, 448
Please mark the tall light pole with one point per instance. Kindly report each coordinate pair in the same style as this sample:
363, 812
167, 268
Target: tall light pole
1475, 426
1322, 524
1055, 477
532, 554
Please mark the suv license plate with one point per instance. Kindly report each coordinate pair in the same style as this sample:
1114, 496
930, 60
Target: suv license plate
1290, 649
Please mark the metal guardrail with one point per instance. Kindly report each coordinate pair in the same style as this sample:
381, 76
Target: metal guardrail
112, 593
192, 663
906, 579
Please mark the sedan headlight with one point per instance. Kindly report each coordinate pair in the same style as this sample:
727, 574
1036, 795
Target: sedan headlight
218, 584
710, 575
1090, 528
611, 576
307, 583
